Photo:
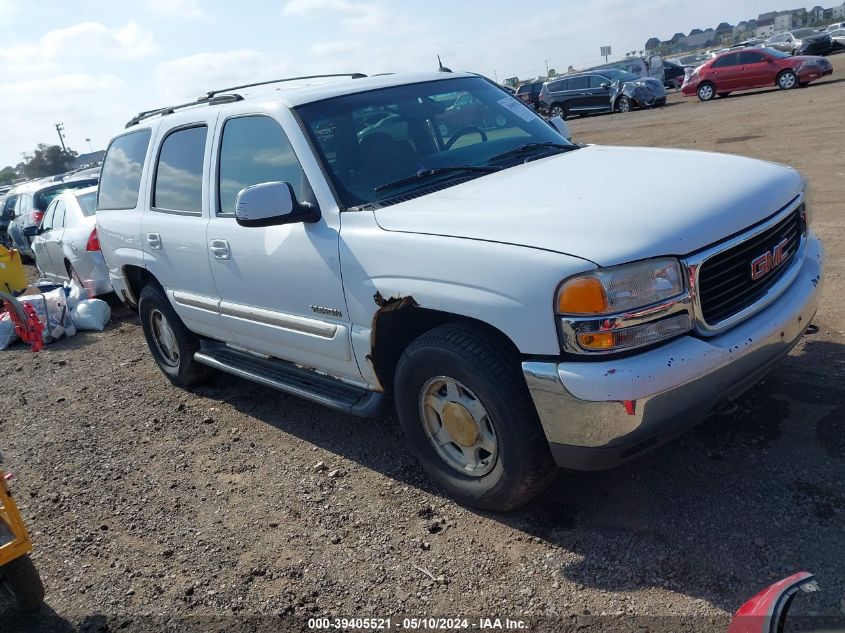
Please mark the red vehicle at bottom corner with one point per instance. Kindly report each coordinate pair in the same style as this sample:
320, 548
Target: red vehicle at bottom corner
753, 68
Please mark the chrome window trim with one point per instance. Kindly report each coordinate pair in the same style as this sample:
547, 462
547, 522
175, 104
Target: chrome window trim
692, 266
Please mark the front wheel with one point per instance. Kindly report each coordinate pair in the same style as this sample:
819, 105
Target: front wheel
624, 104
172, 344
467, 414
20, 580
787, 80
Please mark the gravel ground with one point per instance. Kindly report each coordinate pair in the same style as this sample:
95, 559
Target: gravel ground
236, 508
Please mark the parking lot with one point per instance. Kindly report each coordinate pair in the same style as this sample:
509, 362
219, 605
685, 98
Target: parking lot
231, 500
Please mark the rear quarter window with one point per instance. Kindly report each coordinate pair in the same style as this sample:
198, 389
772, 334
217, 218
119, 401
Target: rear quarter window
120, 180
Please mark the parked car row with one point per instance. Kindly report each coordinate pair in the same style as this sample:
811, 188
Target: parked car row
53, 223
609, 90
753, 68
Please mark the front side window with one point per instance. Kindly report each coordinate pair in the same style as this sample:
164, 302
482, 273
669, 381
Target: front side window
255, 149
120, 179
368, 141
751, 57
178, 177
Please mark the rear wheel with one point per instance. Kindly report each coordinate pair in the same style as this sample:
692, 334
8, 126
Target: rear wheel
172, 344
557, 110
20, 581
787, 80
467, 414
706, 91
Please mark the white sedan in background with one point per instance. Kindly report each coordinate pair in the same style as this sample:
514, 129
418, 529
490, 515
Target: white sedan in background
66, 245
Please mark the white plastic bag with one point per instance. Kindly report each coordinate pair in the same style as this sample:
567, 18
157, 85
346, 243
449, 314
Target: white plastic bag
75, 293
51, 308
91, 314
8, 335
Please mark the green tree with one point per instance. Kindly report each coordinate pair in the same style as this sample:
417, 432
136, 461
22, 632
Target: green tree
48, 160
8, 175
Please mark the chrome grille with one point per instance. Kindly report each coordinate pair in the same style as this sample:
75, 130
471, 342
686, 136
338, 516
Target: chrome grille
725, 285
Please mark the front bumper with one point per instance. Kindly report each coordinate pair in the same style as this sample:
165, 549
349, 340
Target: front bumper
599, 414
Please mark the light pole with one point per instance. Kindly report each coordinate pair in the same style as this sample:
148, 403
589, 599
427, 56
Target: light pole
88, 140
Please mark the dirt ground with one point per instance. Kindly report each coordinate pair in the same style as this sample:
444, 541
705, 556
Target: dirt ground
156, 508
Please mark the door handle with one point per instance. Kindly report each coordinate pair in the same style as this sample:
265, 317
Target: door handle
154, 240
220, 249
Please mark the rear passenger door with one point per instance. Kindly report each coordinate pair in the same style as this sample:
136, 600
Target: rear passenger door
578, 94
724, 72
280, 286
39, 242
175, 218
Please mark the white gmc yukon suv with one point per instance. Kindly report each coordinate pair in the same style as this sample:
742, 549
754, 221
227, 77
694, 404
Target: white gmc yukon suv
429, 241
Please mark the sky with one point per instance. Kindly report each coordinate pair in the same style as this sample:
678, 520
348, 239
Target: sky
93, 64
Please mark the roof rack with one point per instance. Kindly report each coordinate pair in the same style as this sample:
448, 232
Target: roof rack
226, 95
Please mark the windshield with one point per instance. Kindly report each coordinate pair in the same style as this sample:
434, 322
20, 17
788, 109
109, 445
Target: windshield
775, 52
87, 202
369, 139
619, 75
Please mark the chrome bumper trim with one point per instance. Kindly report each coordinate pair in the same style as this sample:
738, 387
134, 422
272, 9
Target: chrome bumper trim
580, 404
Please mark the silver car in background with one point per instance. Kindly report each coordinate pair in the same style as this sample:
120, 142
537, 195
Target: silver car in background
65, 244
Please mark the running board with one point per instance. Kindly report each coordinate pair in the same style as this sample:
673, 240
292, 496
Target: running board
294, 380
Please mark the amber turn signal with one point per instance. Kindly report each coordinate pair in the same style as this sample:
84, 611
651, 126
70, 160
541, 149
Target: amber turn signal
582, 295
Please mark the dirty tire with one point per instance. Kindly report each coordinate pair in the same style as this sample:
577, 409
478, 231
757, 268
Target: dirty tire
557, 109
186, 371
623, 104
20, 579
524, 465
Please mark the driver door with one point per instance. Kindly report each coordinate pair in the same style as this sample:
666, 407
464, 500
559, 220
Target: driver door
39, 242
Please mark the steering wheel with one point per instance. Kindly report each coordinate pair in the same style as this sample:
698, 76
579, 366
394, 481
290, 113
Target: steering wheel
469, 129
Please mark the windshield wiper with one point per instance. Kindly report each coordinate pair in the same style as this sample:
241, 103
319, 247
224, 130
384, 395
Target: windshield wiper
527, 147
422, 174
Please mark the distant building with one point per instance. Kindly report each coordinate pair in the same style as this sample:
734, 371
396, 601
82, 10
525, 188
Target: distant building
783, 21
838, 13
765, 24
652, 44
816, 14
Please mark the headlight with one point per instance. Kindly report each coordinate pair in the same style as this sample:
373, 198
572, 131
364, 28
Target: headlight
621, 288
624, 307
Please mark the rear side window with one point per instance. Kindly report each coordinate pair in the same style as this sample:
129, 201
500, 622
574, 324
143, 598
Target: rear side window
725, 60
178, 179
120, 180
255, 149
59, 217
557, 86
579, 83
88, 203
47, 221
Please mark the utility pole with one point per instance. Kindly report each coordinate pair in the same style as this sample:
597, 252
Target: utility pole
547, 68
60, 127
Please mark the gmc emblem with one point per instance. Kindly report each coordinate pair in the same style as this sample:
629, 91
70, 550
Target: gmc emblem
768, 261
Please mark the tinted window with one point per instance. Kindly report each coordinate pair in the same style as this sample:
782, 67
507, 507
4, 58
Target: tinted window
596, 81
523, 89
751, 57
778, 38
579, 83
45, 196
254, 149
178, 180
557, 86
120, 180
88, 203
9, 206
725, 60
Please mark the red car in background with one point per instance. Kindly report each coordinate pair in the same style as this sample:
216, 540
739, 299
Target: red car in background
753, 68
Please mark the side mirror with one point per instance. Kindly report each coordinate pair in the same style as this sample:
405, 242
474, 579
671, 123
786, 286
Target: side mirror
272, 203
605, 85
31, 231
560, 126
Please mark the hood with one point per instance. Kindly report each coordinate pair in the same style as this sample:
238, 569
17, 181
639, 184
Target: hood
605, 204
